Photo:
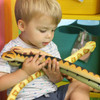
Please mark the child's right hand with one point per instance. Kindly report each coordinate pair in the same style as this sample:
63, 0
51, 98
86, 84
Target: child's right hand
33, 64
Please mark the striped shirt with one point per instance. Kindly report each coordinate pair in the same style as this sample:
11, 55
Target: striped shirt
38, 87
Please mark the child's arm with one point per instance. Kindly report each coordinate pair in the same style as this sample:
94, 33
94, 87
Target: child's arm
9, 80
30, 66
2, 73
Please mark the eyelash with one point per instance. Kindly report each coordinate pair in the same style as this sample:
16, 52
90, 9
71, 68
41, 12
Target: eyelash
53, 30
43, 31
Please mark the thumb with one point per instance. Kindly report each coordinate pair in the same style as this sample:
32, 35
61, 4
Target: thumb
45, 70
27, 60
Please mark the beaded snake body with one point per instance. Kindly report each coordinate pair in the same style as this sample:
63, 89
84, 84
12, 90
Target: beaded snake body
18, 54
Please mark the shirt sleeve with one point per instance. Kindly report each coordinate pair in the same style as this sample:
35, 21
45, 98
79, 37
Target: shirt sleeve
4, 66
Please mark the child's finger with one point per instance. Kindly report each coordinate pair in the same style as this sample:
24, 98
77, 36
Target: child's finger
49, 65
35, 57
54, 65
57, 66
27, 60
45, 70
40, 59
43, 65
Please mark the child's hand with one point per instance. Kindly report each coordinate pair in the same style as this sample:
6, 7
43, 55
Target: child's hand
85, 57
33, 64
53, 71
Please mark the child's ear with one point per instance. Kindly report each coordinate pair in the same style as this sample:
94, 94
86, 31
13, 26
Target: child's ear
21, 25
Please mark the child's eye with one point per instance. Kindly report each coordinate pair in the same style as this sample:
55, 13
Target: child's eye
53, 30
42, 31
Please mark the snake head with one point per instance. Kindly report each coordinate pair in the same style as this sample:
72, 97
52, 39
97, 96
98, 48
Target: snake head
92, 45
17, 49
9, 56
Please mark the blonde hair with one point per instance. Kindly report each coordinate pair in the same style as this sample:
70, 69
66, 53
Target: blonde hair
27, 9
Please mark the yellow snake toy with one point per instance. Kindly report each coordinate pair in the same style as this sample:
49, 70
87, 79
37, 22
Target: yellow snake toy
19, 54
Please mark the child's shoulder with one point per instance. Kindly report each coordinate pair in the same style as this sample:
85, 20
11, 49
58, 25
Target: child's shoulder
9, 45
52, 44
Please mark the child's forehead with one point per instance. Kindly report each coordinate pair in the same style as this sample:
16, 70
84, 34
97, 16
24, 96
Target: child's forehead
47, 26
44, 21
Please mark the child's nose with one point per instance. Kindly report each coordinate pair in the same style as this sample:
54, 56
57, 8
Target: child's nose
49, 34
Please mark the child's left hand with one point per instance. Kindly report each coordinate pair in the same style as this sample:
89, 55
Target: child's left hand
53, 71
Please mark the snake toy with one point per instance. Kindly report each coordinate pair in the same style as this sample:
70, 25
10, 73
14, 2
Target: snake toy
19, 54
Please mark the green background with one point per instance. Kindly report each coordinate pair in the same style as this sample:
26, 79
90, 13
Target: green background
65, 37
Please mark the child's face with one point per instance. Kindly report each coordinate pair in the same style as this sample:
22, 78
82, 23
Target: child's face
39, 32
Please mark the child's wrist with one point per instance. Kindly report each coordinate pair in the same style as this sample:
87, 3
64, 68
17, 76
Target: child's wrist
24, 72
61, 78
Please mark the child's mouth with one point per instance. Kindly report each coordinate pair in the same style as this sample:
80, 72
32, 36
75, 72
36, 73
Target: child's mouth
45, 43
